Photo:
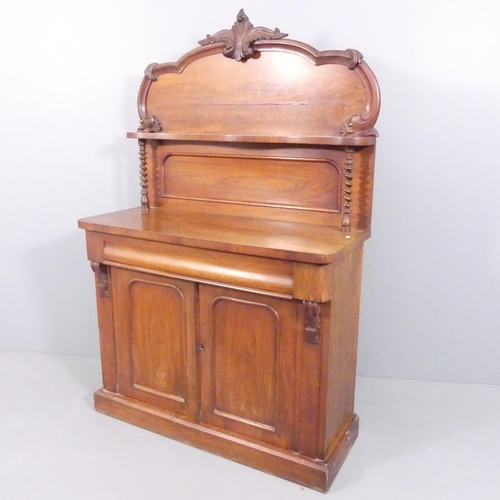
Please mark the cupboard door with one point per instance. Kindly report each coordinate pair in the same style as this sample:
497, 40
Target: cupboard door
155, 337
247, 361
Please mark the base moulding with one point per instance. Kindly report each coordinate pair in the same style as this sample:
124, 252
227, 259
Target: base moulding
314, 474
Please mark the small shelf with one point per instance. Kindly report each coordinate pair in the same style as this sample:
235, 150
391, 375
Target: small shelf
326, 140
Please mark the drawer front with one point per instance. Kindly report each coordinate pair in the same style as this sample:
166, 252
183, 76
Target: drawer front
286, 279
209, 266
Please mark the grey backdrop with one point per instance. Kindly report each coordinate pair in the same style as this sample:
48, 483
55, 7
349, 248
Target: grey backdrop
70, 74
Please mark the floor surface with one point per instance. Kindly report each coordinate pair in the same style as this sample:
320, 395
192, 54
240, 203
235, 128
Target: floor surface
418, 440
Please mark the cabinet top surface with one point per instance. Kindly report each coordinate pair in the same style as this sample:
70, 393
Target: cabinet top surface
229, 233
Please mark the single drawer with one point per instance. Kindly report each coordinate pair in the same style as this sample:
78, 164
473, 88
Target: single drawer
209, 266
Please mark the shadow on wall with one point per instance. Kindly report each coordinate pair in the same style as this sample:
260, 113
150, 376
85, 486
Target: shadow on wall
59, 304
64, 282
124, 153
432, 272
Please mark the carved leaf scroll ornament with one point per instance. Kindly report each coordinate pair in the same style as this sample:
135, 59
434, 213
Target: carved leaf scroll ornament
240, 38
312, 322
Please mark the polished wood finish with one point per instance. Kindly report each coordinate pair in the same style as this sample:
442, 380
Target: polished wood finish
310, 180
155, 340
277, 239
316, 474
190, 95
184, 100
106, 325
228, 302
321, 140
308, 184
248, 364
339, 373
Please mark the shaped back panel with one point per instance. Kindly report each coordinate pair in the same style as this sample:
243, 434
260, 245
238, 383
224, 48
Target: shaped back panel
224, 116
276, 94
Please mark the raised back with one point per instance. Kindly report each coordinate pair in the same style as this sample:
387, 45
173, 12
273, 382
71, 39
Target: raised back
275, 87
226, 114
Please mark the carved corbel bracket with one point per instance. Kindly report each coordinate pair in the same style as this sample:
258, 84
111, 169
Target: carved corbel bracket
101, 273
239, 40
312, 322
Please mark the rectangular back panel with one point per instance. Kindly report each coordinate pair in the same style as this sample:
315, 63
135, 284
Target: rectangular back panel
281, 182
301, 183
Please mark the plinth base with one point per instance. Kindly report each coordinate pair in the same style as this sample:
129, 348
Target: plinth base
314, 474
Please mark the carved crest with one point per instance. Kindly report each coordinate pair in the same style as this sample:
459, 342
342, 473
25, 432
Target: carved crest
240, 38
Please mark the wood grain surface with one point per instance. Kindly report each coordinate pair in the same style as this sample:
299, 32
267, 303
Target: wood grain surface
311, 184
242, 235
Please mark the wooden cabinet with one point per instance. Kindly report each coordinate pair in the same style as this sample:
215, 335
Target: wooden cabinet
228, 302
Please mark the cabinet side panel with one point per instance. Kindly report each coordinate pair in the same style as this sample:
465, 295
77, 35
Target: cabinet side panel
362, 187
106, 335
341, 373
308, 387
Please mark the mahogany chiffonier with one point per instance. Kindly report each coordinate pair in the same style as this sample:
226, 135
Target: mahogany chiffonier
228, 302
